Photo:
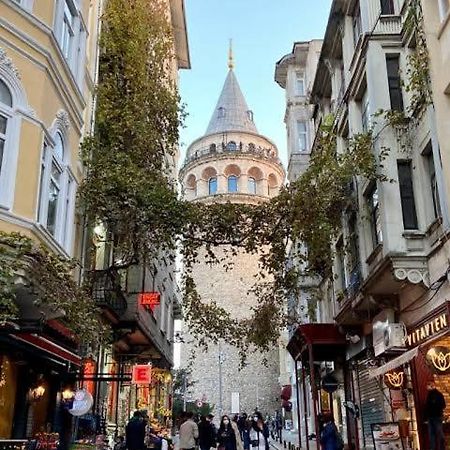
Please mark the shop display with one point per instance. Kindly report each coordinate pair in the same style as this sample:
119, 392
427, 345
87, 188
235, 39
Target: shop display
386, 436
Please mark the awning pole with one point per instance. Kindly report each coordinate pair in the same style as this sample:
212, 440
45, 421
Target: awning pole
297, 388
314, 393
305, 409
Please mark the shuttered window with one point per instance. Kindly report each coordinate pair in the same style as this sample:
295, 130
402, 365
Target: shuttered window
407, 195
395, 87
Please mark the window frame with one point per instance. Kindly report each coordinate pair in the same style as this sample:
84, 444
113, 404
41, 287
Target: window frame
232, 178
387, 7
251, 185
432, 181
373, 206
444, 9
394, 82
405, 185
212, 181
66, 183
302, 134
300, 77
356, 25
365, 109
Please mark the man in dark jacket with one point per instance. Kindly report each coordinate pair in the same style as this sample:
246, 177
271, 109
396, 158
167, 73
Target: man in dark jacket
434, 413
135, 432
206, 433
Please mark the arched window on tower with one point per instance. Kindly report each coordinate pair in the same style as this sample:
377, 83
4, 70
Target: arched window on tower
251, 185
212, 186
231, 146
232, 183
250, 115
221, 112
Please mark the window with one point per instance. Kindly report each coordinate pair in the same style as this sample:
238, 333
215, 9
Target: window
299, 83
407, 195
231, 146
387, 7
221, 112
250, 115
394, 83
375, 218
56, 192
302, 136
232, 183
365, 118
353, 246
67, 31
212, 186
212, 148
5, 113
251, 185
444, 7
340, 261
433, 182
356, 25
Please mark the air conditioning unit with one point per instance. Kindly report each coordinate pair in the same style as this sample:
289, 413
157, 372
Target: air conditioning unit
388, 336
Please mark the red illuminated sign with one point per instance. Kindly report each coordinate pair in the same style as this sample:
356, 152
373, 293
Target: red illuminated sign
142, 374
89, 370
149, 299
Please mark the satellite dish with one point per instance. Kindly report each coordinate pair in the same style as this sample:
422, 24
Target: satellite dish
82, 403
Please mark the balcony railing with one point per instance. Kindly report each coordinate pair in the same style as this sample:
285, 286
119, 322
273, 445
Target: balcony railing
239, 148
107, 291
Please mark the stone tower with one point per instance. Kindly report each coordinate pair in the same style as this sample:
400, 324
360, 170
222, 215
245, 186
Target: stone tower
232, 162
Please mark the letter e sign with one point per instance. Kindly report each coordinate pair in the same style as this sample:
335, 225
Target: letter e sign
142, 374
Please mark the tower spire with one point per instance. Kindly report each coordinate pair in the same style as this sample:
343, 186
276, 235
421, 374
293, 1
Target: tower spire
230, 56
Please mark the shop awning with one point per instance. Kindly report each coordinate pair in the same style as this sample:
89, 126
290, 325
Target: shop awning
322, 336
50, 348
394, 363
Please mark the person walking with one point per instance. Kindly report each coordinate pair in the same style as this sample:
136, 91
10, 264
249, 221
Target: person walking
188, 433
434, 414
259, 433
206, 433
135, 432
330, 439
228, 437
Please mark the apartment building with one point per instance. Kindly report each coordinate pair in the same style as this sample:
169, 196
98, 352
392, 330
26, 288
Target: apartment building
383, 316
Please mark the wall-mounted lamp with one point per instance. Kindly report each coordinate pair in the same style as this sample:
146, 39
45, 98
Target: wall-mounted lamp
67, 394
37, 392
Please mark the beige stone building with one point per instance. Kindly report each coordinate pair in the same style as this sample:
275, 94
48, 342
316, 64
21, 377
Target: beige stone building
232, 162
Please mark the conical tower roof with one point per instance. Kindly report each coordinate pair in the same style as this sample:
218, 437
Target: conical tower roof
231, 112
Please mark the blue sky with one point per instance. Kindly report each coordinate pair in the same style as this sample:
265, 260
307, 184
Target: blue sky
262, 31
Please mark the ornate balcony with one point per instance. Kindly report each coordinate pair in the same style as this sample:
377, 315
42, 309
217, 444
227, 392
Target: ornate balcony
107, 291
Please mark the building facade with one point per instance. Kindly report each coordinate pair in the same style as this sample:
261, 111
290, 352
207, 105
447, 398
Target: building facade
232, 162
48, 71
373, 337
48, 54
295, 73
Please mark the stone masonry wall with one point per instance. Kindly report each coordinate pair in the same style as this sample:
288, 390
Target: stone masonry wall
256, 383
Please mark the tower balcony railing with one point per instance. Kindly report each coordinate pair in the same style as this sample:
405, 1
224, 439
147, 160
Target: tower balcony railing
268, 153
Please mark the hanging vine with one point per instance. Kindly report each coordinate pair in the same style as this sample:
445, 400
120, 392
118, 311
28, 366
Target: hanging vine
48, 279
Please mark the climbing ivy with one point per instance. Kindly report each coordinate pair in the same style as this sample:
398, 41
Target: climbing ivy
47, 279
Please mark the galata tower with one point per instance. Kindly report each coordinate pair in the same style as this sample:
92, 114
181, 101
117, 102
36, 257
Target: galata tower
232, 162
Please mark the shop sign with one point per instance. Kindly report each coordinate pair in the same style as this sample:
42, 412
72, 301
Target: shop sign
141, 374
439, 358
82, 403
386, 436
394, 379
149, 300
428, 330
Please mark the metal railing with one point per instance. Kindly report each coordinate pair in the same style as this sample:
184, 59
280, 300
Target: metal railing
107, 291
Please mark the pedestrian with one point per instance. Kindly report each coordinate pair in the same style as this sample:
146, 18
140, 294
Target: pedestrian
228, 437
259, 433
188, 433
245, 433
330, 438
206, 433
135, 432
434, 414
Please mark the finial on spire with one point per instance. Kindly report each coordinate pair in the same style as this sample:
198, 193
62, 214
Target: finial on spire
230, 56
